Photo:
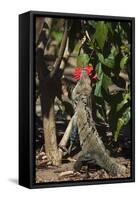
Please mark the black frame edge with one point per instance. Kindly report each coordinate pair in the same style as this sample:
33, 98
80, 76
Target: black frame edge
24, 96
80, 15
133, 98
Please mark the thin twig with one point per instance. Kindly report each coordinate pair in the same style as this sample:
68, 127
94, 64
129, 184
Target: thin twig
61, 51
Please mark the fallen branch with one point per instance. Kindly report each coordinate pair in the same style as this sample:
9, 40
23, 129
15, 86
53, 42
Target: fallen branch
66, 173
69, 173
66, 136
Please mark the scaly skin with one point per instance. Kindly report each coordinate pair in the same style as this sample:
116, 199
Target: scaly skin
93, 149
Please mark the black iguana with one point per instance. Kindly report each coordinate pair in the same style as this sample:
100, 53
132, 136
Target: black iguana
93, 149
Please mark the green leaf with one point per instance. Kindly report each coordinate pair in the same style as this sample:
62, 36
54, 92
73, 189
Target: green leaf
101, 57
98, 88
123, 62
83, 60
99, 70
110, 62
103, 81
126, 98
101, 33
106, 81
57, 35
99, 115
97, 91
92, 23
109, 25
121, 122
114, 50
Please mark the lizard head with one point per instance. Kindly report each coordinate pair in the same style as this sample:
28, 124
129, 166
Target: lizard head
83, 86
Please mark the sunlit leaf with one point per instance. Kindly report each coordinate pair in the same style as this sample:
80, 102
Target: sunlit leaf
126, 98
99, 115
123, 62
109, 62
83, 60
99, 70
101, 57
103, 81
57, 36
121, 122
114, 50
98, 88
101, 33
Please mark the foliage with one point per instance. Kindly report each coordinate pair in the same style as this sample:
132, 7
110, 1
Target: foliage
107, 48
105, 45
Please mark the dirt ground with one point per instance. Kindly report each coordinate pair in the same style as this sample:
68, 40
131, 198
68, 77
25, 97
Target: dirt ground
47, 173
121, 151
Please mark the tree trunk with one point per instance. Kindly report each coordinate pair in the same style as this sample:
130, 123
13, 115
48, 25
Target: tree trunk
47, 106
50, 132
48, 91
47, 97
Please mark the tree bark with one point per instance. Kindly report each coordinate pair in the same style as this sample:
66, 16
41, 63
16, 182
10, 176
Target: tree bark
50, 131
48, 92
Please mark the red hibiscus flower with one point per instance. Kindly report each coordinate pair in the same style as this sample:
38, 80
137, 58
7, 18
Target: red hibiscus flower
89, 70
